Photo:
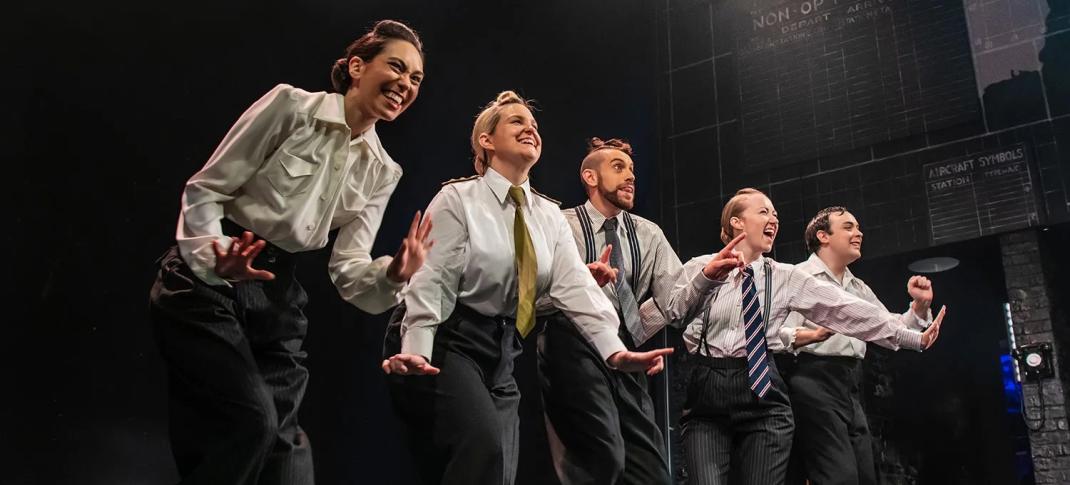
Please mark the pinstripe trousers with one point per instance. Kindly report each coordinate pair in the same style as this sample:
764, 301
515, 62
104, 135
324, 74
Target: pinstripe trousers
730, 435
236, 373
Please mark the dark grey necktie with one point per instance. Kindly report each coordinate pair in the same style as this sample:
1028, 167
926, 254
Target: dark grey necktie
629, 308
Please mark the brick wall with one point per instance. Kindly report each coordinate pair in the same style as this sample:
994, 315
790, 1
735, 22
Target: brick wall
1029, 293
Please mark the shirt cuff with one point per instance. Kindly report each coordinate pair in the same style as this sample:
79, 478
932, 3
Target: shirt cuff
385, 280
418, 341
703, 284
787, 337
909, 339
921, 323
607, 344
202, 263
651, 320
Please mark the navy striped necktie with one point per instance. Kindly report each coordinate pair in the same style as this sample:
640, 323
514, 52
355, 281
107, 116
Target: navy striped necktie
754, 331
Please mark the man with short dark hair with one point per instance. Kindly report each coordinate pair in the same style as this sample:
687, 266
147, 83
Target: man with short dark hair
832, 441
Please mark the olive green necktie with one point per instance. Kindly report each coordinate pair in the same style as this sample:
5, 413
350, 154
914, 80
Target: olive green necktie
526, 266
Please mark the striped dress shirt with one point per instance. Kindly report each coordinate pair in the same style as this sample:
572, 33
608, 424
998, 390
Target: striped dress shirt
841, 345
700, 302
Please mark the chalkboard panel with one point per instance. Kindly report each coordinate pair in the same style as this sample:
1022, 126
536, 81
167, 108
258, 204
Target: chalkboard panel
818, 77
980, 194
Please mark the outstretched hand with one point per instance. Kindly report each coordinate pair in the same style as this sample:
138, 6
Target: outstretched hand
409, 365
725, 261
929, 336
236, 263
413, 250
650, 362
601, 270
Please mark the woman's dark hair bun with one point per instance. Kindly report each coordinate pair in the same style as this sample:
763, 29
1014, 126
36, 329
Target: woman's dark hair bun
370, 45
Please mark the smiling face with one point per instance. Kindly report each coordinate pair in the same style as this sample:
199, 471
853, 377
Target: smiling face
844, 237
758, 220
388, 84
515, 138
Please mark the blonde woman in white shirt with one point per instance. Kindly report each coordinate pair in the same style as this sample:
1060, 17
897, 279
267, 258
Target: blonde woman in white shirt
737, 419
226, 307
499, 246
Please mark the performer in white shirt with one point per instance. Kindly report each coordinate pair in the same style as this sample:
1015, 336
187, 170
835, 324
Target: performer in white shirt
226, 307
737, 419
832, 441
498, 247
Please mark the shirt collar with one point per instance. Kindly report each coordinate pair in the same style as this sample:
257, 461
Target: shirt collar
332, 109
371, 139
758, 266
817, 266
597, 219
499, 185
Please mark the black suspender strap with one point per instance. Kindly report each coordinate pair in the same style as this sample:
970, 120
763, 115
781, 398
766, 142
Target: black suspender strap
588, 233
591, 254
767, 305
633, 245
768, 292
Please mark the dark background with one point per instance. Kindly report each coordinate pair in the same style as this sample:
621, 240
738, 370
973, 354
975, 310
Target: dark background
111, 107
117, 105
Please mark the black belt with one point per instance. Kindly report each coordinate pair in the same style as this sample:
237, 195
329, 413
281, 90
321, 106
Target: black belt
719, 362
839, 359
471, 314
271, 256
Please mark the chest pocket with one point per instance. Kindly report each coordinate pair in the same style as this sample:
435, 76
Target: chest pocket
291, 175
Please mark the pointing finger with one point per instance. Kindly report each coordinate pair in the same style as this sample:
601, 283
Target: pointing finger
732, 244
605, 254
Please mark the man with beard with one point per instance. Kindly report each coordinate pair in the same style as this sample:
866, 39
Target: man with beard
832, 441
601, 420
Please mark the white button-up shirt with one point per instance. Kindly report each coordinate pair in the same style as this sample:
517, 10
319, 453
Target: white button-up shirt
289, 171
718, 304
473, 263
841, 345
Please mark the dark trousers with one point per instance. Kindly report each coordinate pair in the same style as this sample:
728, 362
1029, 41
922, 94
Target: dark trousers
832, 440
600, 421
463, 425
235, 373
731, 436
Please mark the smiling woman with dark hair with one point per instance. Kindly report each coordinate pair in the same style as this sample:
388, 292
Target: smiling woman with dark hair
226, 306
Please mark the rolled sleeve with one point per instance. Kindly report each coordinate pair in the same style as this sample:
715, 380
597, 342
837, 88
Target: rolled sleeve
691, 291
909, 339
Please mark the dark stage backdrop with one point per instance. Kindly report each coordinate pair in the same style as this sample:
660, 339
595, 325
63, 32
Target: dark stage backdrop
938, 123
115, 106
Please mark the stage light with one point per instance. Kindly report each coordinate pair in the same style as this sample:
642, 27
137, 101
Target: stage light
933, 265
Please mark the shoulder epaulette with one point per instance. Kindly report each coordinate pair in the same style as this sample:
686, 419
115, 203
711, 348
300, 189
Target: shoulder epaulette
536, 192
462, 179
